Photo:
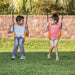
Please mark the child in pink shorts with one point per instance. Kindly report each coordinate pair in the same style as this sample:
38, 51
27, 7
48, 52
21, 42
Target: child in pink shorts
54, 32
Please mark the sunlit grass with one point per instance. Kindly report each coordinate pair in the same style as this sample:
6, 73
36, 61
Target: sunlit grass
43, 45
36, 62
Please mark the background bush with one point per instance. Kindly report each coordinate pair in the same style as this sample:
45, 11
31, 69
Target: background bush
37, 7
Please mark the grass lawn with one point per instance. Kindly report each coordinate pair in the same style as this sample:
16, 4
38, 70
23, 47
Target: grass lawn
36, 62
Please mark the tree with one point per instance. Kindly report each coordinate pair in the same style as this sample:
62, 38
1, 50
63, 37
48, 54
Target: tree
70, 6
37, 7
17, 5
3, 7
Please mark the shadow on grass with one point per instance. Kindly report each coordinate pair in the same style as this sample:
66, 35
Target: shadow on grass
37, 62
35, 56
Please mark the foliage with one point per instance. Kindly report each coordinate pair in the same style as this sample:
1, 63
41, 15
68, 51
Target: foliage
17, 5
3, 7
37, 7
71, 7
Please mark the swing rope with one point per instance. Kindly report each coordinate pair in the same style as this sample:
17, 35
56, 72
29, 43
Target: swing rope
61, 20
47, 11
47, 19
26, 18
12, 12
27, 12
13, 19
62, 14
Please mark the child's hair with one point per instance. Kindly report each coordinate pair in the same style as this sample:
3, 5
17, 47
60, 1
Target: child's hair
18, 18
55, 16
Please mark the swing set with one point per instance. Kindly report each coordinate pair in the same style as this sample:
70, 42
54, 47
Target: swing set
47, 19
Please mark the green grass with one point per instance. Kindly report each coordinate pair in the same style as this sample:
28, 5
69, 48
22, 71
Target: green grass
36, 62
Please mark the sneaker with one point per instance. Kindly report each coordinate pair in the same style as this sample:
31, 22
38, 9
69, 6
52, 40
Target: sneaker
49, 57
22, 58
13, 57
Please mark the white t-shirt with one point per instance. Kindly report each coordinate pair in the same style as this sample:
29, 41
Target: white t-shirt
19, 30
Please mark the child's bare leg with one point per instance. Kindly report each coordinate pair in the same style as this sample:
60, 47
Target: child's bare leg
56, 49
51, 48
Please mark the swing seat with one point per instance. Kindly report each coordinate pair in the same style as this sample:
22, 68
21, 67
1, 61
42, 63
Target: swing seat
14, 35
49, 34
59, 34
24, 36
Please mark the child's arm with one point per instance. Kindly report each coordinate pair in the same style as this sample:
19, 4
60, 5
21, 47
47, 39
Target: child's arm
47, 28
64, 26
9, 31
27, 31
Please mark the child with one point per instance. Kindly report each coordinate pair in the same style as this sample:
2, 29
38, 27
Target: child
19, 30
54, 30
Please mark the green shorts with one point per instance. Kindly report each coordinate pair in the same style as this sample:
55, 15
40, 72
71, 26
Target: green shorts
54, 39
